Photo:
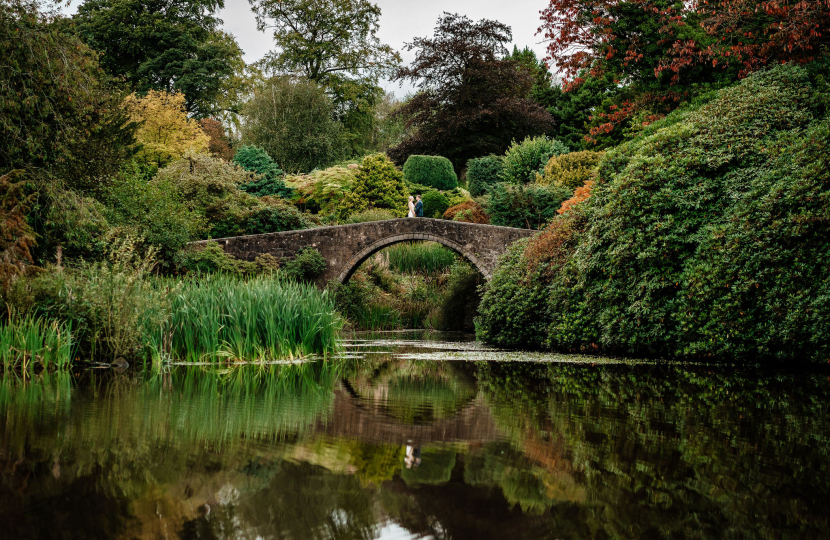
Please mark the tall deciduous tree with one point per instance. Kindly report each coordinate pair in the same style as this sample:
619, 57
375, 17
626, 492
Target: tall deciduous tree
165, 132
291, 119
333, 43
321, 39
169, 45
59, 111
471, 100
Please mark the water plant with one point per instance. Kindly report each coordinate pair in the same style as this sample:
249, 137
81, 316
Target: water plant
220, 318
35, 343
420, 258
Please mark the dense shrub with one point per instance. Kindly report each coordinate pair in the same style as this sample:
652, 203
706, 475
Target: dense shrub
706, 236
513, 308
270, 181
435, 204
307, 265
323, 191
460, 301
292, 119
210, 188
153, 211
210, 258
570, 170
432, 171
527, 207
377, 184
523, 161
482, 173
468, 211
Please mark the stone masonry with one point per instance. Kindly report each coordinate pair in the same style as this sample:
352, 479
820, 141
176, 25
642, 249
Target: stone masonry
345, 247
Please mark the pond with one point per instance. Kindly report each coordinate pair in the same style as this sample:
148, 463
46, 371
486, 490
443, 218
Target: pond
417, 435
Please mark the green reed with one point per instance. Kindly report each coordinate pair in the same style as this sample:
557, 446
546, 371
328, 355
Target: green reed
34, 343
223, 318
420, 258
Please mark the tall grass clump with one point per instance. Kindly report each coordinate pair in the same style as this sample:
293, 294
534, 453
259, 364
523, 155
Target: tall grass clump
33, 343
221, 318
420, 258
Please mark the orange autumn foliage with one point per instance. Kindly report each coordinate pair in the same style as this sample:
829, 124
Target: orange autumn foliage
580, 195
469, 212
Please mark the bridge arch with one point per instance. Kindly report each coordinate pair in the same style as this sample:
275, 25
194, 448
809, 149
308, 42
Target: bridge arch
361, 256
345, 247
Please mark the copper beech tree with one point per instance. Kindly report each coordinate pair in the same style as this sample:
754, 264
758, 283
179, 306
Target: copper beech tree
471, 100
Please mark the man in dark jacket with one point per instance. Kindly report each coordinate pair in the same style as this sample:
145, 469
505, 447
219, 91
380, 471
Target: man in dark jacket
419, 206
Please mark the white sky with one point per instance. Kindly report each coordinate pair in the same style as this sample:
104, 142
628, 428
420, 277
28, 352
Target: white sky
400, 22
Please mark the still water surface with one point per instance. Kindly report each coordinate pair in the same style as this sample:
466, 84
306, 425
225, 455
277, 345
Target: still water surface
409, 438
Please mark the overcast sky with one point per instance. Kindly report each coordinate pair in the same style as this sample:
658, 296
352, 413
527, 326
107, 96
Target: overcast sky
401, 20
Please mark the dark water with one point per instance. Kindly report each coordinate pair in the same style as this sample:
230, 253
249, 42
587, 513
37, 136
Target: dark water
387, 444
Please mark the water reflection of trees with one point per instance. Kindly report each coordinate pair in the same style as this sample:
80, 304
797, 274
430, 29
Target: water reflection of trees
683, 452
585, 452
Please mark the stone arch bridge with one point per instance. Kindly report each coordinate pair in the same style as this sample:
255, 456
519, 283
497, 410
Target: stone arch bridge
345, 247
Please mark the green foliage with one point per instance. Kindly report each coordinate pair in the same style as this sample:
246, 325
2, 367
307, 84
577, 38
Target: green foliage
220, 318
371, 214
210, 258
525, 207
35, 343
524, 160
323, 191
419, 258
153, 211
257, 160
435, 204
460, 300
60, 113
377, 184
512, 306
570, 170
110, 306
433, 171
435, 468
291, 119
306, 266
211, 188
163, 45
483, 173
707, 234
572, 108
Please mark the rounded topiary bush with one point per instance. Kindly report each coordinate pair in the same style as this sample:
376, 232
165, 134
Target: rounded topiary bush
524, 160
432, 171
483, 173
570, 170
435, 204
377, 184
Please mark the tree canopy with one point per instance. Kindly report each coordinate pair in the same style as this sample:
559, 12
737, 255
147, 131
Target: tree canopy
59, 111
169, 45
471, 100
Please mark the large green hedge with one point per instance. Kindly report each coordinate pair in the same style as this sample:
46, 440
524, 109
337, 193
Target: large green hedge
707, 236
524, 160
525, 207
483, 173
432, 171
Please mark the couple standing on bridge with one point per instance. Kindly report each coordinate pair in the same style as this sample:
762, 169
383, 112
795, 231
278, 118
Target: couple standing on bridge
416, 207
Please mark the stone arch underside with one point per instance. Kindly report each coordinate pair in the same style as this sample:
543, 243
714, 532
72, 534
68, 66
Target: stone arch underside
360, 257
